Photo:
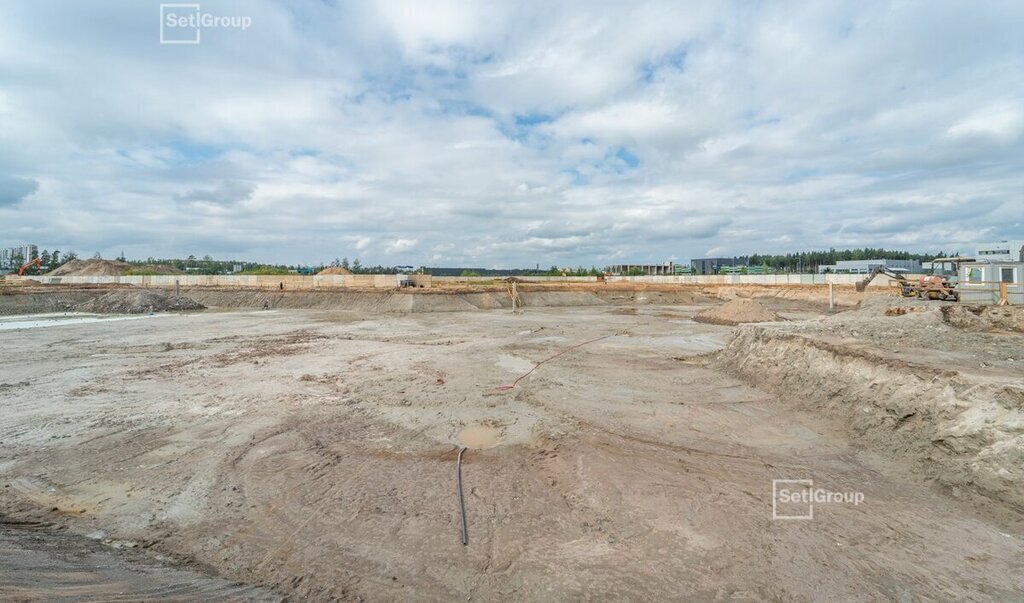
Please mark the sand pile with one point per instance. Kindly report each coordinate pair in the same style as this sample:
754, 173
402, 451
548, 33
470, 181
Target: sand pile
138, 302
737, 311
96, 267
335, 270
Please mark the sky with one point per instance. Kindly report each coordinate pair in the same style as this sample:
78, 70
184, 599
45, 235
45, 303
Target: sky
509, 134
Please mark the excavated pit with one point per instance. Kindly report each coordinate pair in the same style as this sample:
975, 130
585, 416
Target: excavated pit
308, 449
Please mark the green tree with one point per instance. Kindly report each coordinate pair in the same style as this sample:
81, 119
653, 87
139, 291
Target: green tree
357, 266
344, 264
45, 258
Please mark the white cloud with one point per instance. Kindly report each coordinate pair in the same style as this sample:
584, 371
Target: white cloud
1002, 124
401, 245
513, 134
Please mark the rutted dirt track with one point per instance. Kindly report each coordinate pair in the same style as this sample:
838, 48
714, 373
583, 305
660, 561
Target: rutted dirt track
312, 453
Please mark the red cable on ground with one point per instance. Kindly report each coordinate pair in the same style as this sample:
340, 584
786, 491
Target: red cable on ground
565, 351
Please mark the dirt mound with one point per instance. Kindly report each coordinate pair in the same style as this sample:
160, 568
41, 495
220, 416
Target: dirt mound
97, 267
963, 318
902, 310
737, 311
984, 318
335, 270
138, 302
91, 268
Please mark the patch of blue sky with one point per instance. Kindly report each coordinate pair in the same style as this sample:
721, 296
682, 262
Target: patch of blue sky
623, 154
675, 60
522, 127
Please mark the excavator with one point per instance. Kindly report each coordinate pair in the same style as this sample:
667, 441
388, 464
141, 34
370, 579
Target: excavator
927, 287
36, 262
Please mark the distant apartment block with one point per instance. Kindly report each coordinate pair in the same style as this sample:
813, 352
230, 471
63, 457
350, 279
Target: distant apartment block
13, 257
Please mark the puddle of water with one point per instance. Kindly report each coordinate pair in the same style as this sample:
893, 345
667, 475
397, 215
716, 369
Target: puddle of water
37, 321
480, 437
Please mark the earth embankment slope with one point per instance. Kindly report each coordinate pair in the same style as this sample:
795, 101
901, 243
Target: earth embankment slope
907, 383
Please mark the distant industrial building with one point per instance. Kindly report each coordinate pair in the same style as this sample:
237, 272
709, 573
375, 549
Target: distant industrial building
1001, 251
867, 266
13, 257
715, 265
647, 269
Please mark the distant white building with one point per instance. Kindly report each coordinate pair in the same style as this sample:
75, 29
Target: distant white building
867, 266
1000, 251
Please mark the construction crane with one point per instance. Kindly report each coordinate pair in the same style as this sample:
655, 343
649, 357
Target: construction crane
36, 262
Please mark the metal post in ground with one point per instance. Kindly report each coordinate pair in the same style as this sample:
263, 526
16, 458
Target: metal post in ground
458, 492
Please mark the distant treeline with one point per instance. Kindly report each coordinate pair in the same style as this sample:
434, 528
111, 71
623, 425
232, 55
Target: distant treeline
808, 261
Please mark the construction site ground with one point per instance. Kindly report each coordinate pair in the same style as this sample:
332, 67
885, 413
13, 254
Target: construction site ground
263, 449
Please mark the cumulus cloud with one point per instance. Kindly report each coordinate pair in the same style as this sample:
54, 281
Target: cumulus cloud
399, 246
516, 134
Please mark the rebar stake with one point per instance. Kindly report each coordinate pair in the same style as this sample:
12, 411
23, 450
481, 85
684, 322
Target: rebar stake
458, 487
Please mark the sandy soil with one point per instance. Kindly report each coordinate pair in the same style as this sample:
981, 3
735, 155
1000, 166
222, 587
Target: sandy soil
312, 453
738, 311
928, 382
